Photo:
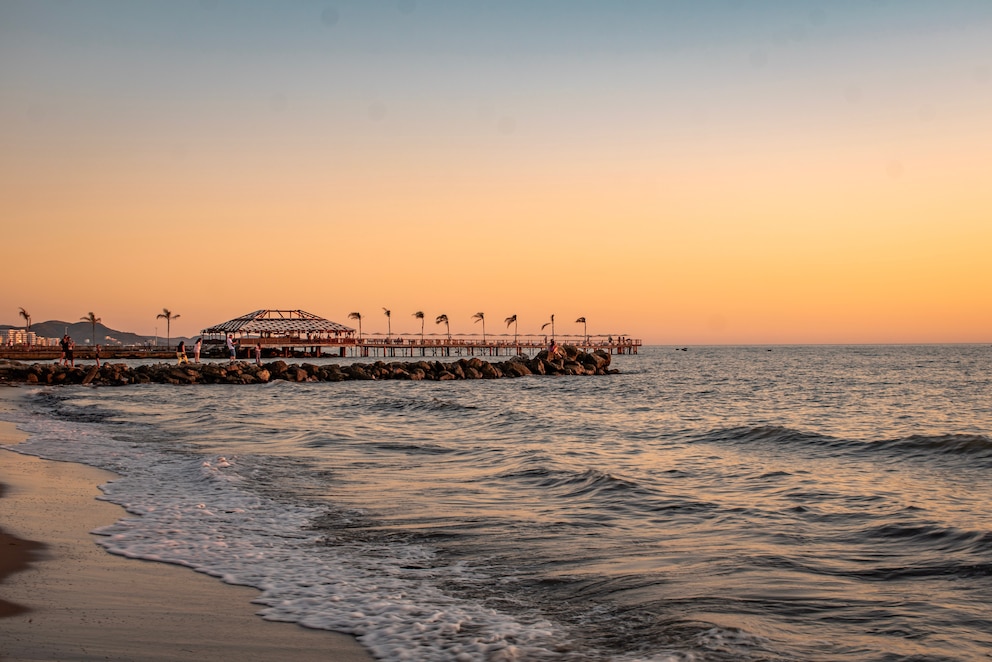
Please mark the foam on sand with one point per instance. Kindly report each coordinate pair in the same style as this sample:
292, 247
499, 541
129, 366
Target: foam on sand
86, 604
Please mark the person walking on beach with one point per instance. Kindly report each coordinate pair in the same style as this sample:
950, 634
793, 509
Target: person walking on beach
196, 350
232, 350
181, 352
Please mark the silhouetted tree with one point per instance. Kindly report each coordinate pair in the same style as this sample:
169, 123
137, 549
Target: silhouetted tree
357, 316
585, 330
420, 316
168, 316
27, 319
552, 323
512, 319
444, 318
93, 320
481, 317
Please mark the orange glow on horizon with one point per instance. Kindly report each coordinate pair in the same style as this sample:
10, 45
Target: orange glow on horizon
837, 193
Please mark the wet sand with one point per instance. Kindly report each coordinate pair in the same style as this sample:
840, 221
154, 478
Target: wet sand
65, 597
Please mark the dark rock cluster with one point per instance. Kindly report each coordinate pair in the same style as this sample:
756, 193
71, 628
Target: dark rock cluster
569, 361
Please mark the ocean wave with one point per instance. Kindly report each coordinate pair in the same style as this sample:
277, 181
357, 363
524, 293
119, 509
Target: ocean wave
412, 448
603, 496
929, 537
762, 433
568, 482
419, 405
973, 447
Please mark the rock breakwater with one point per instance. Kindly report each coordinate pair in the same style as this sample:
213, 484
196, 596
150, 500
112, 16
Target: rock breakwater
570, 361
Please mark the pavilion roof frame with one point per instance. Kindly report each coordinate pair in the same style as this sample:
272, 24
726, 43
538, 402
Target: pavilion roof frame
287, 323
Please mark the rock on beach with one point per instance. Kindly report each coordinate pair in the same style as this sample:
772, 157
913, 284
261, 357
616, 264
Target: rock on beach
570, 361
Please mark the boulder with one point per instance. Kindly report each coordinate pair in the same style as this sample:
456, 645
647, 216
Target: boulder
516, 369
489, 371
571, 362
573, 368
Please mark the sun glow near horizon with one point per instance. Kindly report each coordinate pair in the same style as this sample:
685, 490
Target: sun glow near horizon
815, 175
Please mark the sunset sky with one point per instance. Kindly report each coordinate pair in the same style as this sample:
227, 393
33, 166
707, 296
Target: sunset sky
688, 172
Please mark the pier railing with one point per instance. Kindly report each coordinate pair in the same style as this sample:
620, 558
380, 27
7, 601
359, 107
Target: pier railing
435, 345
369, 345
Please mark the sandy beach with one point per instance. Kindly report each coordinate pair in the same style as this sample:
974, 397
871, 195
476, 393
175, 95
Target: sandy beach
65, 597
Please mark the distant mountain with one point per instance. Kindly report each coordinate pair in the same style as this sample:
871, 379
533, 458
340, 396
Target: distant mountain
82, 333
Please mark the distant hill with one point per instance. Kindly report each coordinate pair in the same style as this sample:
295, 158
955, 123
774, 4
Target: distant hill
82, 333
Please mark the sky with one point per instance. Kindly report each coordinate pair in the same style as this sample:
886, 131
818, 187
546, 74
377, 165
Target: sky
684, 172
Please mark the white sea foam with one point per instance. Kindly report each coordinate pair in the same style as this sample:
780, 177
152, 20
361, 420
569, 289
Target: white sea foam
191, 511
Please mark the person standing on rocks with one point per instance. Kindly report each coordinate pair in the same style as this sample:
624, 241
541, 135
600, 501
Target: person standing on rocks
69, 346
196, 350
64, 346
181, 352
232, 350
258, 353
96, 355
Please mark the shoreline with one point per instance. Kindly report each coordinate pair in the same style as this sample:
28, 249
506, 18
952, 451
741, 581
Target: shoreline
18, 555
68, 598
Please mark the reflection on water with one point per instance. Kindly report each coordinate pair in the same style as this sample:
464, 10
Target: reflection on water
823, 503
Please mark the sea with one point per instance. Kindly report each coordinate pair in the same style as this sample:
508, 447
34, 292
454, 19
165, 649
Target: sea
706, 503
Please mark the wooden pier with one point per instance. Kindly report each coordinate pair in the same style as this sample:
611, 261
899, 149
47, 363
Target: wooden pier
366, 347
297, 332
415, 346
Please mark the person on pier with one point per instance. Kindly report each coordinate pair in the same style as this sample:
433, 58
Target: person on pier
67, 351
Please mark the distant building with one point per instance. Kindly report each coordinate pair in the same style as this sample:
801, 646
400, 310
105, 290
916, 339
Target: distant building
14, 336
11, 337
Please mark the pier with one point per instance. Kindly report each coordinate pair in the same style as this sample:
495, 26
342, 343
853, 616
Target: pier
293, 332
400, 345
367, 347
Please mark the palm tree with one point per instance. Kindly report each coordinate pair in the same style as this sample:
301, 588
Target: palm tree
389, 324
552, 323
512, 320
357, 316
93, 320
585, 330
481, 317
420, 316
27, 319
167, 315
444, 318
